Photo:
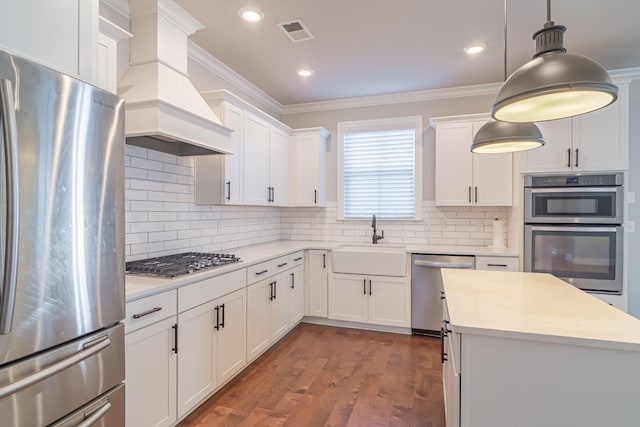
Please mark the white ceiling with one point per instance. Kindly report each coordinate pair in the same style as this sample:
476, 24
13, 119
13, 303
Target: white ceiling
375, 47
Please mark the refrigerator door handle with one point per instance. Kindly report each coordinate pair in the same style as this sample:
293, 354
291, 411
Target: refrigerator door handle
95, 347
96, 415
10, 279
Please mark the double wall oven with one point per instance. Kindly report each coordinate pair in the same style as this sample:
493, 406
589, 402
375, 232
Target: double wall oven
574, 229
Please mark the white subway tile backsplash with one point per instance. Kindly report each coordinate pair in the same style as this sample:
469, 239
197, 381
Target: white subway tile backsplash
161, 217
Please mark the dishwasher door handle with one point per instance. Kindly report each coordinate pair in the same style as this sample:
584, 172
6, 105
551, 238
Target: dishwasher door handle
437, 264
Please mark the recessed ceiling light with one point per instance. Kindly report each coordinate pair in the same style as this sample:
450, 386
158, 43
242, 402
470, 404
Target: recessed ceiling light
305, 72
474, 49
251, 14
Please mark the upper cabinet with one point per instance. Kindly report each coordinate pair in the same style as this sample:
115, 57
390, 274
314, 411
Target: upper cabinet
257, 173
61, 34
107, 70
309, 167
595, 141
462, 177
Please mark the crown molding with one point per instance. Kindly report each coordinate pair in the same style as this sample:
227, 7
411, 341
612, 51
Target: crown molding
394, 98
624, 75
225, 72
120, 6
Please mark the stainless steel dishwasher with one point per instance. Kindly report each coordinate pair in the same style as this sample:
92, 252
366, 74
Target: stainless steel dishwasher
426, 286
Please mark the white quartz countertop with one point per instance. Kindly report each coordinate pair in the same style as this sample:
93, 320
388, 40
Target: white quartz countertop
534, 306
139, 286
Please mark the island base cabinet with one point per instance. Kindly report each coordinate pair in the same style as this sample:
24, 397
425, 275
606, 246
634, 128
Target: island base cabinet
526, 383
151, 375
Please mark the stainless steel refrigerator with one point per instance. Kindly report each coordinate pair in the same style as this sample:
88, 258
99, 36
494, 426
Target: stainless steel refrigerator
61, 249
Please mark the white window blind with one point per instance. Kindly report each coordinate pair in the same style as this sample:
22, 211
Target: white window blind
378, 173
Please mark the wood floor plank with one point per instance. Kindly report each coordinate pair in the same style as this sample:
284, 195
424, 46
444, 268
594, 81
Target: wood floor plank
333, 377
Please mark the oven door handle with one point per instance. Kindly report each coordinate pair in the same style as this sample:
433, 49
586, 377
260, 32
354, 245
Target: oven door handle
589, 229
575, 190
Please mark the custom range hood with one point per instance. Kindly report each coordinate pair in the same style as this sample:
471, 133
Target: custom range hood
163, 109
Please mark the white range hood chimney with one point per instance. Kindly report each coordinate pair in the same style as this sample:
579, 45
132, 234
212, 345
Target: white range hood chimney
164, 111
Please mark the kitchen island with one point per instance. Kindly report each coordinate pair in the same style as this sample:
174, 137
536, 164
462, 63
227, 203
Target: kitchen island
528, 349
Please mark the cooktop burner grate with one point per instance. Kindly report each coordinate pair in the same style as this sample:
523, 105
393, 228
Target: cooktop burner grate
180, 264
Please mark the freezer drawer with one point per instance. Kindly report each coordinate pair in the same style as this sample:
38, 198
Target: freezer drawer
105, 411
46, 387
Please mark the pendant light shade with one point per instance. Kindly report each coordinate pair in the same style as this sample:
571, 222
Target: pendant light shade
554, 84
503, 137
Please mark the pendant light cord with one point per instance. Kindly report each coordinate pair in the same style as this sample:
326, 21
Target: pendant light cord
505, 41
548, 10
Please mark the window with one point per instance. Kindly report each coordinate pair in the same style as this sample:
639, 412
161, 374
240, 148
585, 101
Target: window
379, 168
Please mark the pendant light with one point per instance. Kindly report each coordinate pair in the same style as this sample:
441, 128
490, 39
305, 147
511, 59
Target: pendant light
554, 84
504, 137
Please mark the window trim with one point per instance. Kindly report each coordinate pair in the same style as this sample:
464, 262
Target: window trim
414, 122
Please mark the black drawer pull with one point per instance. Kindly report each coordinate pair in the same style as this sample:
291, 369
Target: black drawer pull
258, 273
297, 259
497, 265
146, 313
217, 325
222, 308
175, 338
283, 264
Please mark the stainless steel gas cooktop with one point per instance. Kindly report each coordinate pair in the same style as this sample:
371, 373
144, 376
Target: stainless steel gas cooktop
179, 264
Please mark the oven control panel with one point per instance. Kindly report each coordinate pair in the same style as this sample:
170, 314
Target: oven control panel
582, 180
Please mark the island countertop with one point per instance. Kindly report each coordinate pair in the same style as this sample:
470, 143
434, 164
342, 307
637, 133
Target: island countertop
534, 306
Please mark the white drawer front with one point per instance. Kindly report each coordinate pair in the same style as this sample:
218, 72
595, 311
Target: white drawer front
296, 258
496, 263
209, 289
267, 269
145, 311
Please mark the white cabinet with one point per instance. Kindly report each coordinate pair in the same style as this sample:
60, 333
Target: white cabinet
257, 173
378, 300
61, 34
309, 167
464, 178
594, 141
151, 361
107, 68
219, 178
497, 263
316, 283
296, 294
211, 339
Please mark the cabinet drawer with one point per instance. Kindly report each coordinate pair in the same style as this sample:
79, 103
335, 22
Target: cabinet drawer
206, 290
267, 269
296, 258
145, 311
496, 263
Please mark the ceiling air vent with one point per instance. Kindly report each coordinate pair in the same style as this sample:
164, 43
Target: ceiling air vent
295, 30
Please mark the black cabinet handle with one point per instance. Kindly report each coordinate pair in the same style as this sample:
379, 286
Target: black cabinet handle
297, 259
476, 193
268, 194
315, 197
273, 194
146, 313
258, 273
443, 355
222, 323
577, 158
568, 157
442, 295
364, 286
175, 338
228, 190
497, 265
469, 194
271, 291
275, 290
282, 265
324, 260
293, 280
370, 287
217, 325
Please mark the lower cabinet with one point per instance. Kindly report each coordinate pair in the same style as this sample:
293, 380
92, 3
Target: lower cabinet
378, 300
316, 283
211, 347
267, 313
497, 263
296, 294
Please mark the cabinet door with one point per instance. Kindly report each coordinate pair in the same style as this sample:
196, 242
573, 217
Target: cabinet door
197, 356
258, 318
279, 166
232, 344
233, 119
316, 283
151, 375
451, 384
310, 166
389, 301
453, 164
280, 306
348, 297
255, 161
296, 295
554, 155
597, 142
492, 177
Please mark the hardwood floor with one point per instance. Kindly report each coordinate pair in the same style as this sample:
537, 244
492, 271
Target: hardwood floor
327, 376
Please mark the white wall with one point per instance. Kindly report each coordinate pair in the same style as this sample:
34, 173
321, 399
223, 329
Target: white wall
633, 184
